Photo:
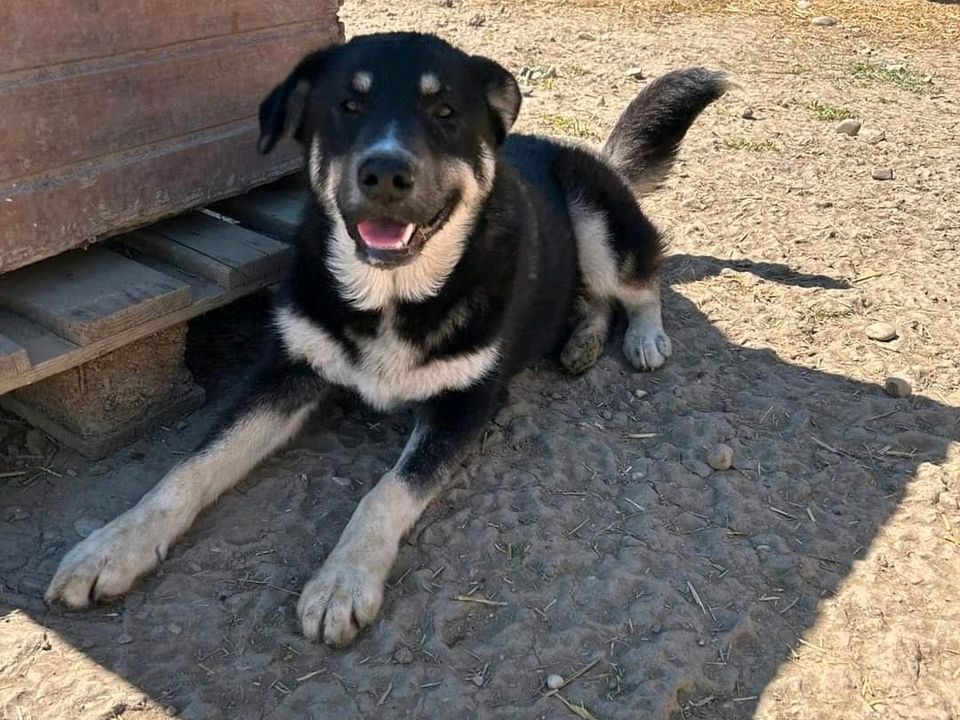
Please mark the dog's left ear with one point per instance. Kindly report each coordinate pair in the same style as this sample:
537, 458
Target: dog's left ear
284, 109
502, 93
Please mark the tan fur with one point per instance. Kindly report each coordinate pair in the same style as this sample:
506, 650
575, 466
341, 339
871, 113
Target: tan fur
108, 562
347, 592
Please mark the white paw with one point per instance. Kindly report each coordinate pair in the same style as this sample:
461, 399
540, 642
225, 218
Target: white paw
646, 346
345, 596
107, 563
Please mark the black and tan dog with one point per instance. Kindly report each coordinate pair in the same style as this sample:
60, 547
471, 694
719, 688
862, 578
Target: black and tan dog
437, 256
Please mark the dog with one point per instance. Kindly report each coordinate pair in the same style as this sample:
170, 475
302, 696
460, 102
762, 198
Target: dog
438, 255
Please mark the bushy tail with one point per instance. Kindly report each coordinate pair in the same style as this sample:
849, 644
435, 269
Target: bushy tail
645, 139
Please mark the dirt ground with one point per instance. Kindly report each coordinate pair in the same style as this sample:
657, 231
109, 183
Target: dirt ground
817, 578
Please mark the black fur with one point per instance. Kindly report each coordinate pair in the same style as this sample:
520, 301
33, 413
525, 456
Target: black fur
645, 139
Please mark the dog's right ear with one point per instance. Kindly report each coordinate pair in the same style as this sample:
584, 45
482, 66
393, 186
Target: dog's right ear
284, 109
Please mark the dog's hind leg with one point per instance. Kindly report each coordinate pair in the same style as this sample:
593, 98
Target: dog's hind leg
111, 558
346, 594
586, 343
619, 252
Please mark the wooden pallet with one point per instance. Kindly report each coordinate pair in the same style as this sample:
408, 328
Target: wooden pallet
63, 312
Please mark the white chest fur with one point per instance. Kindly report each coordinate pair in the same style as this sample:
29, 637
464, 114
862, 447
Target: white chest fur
389, 370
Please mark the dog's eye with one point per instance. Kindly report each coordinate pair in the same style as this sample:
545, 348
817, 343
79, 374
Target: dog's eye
443, 111
350, 106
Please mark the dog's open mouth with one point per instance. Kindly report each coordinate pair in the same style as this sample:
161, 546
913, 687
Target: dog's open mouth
388, 242
385, 234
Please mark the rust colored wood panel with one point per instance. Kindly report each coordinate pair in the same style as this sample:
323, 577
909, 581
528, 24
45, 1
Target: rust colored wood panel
51, 120
47, 216
85, 296
39, 33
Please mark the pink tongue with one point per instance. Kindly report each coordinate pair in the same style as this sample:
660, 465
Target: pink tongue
384, 233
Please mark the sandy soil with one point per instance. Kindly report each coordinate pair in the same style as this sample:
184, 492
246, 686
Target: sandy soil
817, 578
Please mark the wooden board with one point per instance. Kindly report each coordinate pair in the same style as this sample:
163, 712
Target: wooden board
227, 254
44, 217
124, 103
13, 358
85, 296
51, 354
38, 33
272, 210
117, 113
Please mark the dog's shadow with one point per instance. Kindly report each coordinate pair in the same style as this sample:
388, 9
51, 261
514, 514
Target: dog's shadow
823, 462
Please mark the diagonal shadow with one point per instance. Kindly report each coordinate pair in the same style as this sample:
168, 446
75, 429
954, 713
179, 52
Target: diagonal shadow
214, 635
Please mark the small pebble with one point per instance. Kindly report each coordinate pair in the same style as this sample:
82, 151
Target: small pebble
720, 457
478, 679
124, 639
403, 656
71, 472
477, 21
897, 387
872, 136
823, 21
747, 114
803, 4
585, 36
882, 174
850, 126
174, 629
640, 393
636, 73
554, 681
881, 332
170, 711
526, 90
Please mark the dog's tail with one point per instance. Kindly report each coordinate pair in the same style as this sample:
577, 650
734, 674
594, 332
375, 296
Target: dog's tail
645, 139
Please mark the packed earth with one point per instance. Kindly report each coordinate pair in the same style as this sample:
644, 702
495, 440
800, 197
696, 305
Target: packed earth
768, 527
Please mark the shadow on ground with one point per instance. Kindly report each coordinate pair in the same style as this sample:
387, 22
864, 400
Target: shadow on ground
602, 541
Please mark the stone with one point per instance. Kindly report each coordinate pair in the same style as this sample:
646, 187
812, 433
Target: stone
554, 681
720, 457
850, 126
872, 136
585, 36
403, 656
881, 332
636, 73
897, 387
882, 174
747, 114
823, 21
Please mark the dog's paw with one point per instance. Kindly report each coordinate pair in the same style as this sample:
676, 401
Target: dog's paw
582, 351
646, 346
344, 597
106, 564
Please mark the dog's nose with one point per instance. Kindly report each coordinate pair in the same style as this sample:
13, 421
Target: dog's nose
386, 178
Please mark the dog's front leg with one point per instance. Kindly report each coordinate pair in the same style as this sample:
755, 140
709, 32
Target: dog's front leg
346, 594
108, 562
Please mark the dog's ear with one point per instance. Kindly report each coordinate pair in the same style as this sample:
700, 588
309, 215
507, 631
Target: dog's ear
284, 109
502, 94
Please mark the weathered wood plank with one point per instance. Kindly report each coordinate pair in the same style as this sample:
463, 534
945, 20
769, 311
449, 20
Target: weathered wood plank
272, 210
115, 104
13, 358
90, 295
36, 33
51, 354
225, 253
47, 216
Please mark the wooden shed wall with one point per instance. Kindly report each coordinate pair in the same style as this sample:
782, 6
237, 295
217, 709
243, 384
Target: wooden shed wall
115, 113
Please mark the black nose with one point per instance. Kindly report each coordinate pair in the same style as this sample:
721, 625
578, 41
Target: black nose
386, 178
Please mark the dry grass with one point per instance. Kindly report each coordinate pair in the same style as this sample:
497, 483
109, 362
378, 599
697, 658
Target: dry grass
913, 22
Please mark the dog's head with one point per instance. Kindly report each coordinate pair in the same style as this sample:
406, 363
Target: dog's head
401, 130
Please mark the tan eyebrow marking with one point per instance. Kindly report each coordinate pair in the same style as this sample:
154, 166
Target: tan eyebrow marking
362, 82
429, 84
